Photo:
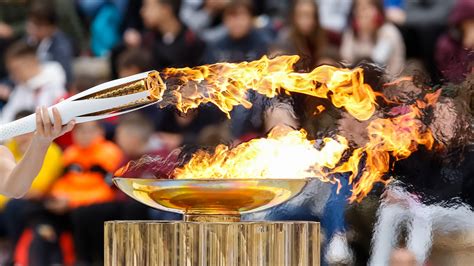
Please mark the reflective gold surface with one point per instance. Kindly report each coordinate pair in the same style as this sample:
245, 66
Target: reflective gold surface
224, 197
164, 243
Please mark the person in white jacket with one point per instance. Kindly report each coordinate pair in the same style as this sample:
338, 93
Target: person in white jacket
369, 36
36, 84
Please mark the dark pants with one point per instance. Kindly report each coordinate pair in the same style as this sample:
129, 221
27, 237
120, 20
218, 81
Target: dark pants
88, 227
15, 216
45, 251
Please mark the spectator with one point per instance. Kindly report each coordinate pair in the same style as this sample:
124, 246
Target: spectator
171, 43
205, 18
51, 169
421, 22
133, 23
87, 162
432, 197
53, 44
133, 61
133, 137
333, 16
70, 23
36, 84
371, 37
90, 157
304, 37
455, 49
242, 42
105, 28
12, 26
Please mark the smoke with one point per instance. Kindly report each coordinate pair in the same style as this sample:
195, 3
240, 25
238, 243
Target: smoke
150, 166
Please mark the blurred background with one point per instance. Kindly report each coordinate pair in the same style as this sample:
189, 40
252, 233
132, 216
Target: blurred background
52, 49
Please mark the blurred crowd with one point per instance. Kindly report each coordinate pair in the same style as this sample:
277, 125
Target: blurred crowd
52, 49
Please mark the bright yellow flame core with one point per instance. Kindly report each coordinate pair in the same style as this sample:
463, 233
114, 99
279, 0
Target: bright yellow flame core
226, 84
285, 153
288, 153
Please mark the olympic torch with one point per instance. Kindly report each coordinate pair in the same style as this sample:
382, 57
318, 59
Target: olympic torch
112, 98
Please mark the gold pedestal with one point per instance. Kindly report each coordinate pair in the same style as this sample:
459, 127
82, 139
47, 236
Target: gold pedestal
163, 243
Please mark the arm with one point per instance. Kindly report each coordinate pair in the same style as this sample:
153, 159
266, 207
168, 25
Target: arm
15, 180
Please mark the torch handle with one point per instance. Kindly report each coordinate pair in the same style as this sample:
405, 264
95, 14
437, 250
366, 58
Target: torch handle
18, 127
69, 110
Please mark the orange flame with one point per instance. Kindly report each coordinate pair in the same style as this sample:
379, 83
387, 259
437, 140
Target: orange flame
285, 153
289, 154
226, 84
392, 137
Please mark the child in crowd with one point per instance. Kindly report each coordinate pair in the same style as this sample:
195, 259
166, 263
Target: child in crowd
133, 61
133, 135
87, 163
242, 42
455, 49
371, 37
36, 84
304, 36
172, 44
43, 31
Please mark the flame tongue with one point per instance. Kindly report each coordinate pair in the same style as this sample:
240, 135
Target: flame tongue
285, 153
226, 84
288, 153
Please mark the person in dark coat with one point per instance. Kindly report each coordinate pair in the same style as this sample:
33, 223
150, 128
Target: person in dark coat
455, 48
243, 41
53, 44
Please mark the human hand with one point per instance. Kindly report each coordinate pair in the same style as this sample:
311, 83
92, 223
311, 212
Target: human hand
396, 15
132, 38
5, 30
4, 92
170, 141
46, 131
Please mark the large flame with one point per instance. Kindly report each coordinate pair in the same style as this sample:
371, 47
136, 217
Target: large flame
396, 138
289, 154
285, 153
226, 84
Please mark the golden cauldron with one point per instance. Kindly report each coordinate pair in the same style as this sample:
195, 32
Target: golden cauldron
211, 233
211, 199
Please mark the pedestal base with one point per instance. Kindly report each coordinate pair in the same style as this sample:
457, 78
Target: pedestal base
165, 243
